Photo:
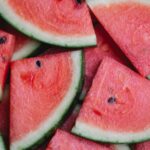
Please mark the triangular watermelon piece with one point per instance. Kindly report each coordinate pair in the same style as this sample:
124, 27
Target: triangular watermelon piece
65, 23
128, 22
66, 141
42, 90
2, 145
116, 109
6, 51
142, 146
94, 55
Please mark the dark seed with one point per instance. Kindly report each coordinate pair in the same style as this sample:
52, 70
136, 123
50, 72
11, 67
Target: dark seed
112, 100
79, 1
38, 63
3, 40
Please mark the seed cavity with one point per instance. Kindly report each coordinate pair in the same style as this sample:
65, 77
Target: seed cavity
38, 63
112, 100
3, 39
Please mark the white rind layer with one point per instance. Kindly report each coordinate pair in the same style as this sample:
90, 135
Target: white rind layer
33, 31
26, 50
2, 146
52, 120
121, 147
98, 134
93, 3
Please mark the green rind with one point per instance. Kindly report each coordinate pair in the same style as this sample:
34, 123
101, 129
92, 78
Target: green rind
50, 132
24, 30
2, 145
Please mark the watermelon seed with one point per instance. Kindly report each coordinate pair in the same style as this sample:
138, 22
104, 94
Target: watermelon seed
2, 40
79, 1
111, 100
38, 63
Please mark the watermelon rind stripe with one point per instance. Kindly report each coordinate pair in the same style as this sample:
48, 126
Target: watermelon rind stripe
121, 147
101, 135
26, 50
94, 3
47, 127
2, 145
33, 31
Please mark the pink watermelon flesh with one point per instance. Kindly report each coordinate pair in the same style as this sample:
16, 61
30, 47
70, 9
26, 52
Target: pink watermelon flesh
94, 55
26, 76
143, 146
129, 25
4, 115
6, 51
117, 96
53, 16
66, 141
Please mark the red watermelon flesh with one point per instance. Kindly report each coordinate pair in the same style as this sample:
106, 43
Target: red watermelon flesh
143, 146
4, 115
66, 141
94, 55
6, 51
117, 102
129, 25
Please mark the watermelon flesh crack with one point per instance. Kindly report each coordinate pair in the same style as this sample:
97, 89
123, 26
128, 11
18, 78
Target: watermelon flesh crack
115, 105
7, 42
64, 23
48, 85
129, 25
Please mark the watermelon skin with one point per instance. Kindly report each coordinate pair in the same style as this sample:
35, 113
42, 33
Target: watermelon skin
6, 51
143, 146
94, 55
113, 100
36, 123
128, 23
43, 23
2, 145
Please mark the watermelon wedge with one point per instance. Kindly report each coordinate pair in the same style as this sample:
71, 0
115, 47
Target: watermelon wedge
66, 141
143, 146
6, 51
129, 25
2, 145
115, 105
94, 55
64, 23
48, 85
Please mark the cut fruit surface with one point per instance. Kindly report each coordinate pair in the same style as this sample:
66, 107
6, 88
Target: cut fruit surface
2, 145
64, 23
94, 55
142, 146
6, 51
115, 105
129, 25
48, 86
66, 141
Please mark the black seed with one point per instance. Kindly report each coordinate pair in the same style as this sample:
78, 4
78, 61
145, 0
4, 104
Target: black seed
38, 63
3, 40
79, 1
111, 100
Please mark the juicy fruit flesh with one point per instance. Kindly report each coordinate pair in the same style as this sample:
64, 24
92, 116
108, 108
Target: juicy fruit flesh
128, 24
143, 146
129, 108
65, 141
60, 17
38, 87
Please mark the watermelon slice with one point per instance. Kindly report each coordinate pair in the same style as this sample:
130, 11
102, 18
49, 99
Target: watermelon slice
24, 46
48, 85
65, 141
143, 146
94, 55
129, 25
2, 145
64, 23
6, 51
4, 114
115, 105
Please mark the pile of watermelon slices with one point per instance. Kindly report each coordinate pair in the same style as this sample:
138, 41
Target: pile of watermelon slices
74, 74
